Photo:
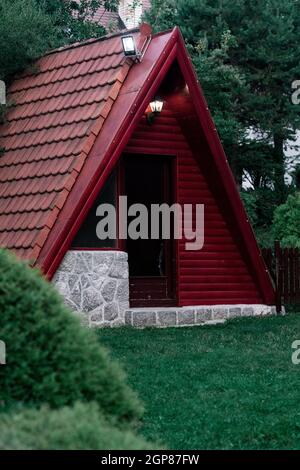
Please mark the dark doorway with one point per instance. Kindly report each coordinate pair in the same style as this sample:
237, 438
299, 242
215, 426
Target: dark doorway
149, 180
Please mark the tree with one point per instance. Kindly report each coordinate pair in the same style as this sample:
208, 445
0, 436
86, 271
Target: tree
223, 85
26, 32
28, 28
74, 19
286, 227
270, 67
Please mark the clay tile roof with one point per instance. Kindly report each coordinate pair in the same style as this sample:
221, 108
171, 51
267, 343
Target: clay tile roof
108, 19
52, 123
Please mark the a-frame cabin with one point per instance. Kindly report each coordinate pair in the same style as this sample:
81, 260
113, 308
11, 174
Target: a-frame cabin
79, 133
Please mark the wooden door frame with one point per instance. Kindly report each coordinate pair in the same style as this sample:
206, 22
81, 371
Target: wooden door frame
172, 262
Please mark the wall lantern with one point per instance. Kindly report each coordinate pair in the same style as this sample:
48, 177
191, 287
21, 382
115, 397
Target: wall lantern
129, 47
157, 105
154, 109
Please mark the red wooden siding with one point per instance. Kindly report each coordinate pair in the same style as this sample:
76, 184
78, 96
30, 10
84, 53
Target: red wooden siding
217, 274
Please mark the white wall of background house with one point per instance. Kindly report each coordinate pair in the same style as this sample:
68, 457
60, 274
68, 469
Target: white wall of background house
131, 11
292, 153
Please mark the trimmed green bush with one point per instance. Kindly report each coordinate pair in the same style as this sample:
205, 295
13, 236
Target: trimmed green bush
51, 358
80, 427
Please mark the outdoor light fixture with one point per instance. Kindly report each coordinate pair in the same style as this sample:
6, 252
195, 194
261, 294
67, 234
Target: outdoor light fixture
154, 109
131, 50
129, 47
156, 105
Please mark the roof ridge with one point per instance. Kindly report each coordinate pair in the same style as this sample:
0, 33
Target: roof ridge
86, 42
91, 41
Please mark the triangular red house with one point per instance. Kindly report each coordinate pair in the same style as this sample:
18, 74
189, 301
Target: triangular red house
77, 131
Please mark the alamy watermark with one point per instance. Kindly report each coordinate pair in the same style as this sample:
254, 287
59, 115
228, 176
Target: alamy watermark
2, 353
296, 353
2, 93
296, 93
160, 221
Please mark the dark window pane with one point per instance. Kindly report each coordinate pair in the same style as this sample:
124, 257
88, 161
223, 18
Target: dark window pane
86, 236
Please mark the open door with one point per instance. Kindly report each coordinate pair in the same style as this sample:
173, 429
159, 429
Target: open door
149, 180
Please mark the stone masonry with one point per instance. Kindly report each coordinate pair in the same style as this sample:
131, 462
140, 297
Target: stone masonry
95, 284
189, 316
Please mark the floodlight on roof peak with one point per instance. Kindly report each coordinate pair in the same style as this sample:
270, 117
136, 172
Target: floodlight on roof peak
129, 47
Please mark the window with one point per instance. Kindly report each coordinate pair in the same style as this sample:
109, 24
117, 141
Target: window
86, 236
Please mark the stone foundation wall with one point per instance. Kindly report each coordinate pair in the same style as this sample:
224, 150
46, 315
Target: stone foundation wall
96, 285
188, 316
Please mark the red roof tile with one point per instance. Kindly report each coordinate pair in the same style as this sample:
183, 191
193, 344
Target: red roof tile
54, 119
108, 19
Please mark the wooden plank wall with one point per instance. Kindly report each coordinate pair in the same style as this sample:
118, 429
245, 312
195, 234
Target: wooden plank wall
218, 273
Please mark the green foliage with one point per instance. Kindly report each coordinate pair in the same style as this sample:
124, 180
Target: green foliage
163, 15
80, 427
223, 86
231, 386
250, 202
28, 28
50, 357
260, 205
73, 18
286, 227
267, 200
264, 236
26, 32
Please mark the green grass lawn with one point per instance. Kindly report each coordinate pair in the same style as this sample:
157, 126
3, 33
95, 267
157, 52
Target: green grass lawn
231, 386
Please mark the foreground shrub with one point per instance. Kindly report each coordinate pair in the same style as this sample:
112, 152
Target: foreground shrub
80, 427
51, 358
